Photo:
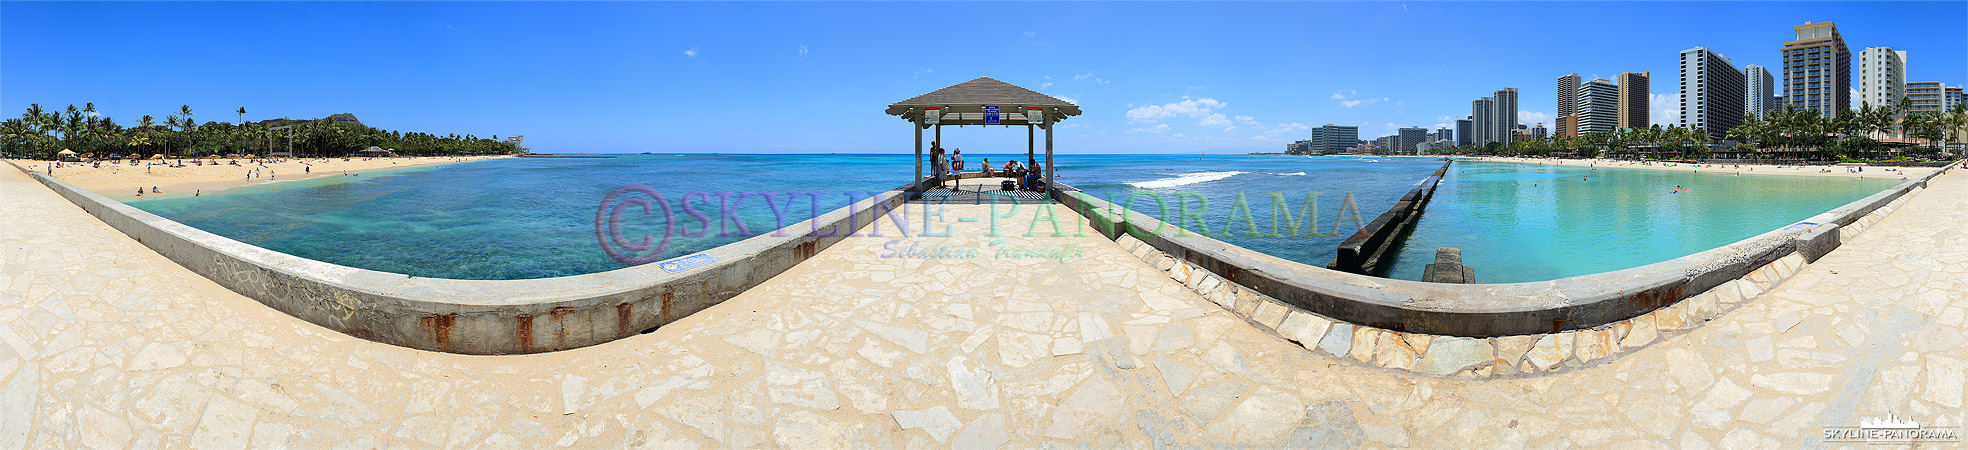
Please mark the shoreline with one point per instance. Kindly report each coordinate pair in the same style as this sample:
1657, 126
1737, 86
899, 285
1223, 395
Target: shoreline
120, 181
1871, 172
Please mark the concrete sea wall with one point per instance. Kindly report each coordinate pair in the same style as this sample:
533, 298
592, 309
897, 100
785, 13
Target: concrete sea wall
1486, 310
480, 316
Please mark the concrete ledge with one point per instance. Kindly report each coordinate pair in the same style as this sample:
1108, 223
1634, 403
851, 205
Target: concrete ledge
479, 316
1487, 310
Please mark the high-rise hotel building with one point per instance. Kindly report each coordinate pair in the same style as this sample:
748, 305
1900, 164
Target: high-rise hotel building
1930, 96
1567, 121
1712, 92
1598, 105
1505, 114
1482, 114
1760, 92
1881, 76
1633, 102
1817, 70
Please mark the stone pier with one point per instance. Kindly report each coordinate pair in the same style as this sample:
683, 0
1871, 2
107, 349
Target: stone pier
1024, 339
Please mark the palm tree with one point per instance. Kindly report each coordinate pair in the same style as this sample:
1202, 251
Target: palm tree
1905, 109
89, 113
185, 111
144, 124
242, 127
1955, 120
35, 119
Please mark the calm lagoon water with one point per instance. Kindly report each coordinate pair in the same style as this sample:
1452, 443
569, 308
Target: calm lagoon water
535, 217
1527, 222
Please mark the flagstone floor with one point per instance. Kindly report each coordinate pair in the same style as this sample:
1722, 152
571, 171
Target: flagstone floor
1009, 341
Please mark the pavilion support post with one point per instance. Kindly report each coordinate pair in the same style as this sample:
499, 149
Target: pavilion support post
1031, 143
918, 126
1048, 168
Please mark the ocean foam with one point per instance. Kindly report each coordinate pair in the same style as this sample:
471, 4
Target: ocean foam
1184, 180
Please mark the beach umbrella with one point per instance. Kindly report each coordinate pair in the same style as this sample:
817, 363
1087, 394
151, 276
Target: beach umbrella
66, 152
157, 156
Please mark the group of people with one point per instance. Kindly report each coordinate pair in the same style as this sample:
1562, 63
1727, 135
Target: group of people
949, 166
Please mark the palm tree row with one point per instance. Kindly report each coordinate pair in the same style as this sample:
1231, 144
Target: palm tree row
1806, 131
41, 133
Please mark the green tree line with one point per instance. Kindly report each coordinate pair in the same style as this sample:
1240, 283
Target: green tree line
1789, 130
40, 133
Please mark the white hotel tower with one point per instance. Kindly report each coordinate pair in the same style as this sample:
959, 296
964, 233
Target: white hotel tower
1712, 92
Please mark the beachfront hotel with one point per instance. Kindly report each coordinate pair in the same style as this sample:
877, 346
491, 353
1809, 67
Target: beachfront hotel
1598, 106
1567, 120
1712, 92
1760, 92
1817, 70
791, 252
1634, 99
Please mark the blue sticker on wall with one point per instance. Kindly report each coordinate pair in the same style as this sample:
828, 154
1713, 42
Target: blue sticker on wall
686, 263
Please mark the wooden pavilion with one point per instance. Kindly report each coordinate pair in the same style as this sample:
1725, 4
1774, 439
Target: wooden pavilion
986, 102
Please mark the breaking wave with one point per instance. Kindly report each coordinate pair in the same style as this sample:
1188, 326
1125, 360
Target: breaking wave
1184, 180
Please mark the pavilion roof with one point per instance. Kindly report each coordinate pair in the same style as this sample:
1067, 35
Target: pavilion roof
963, 103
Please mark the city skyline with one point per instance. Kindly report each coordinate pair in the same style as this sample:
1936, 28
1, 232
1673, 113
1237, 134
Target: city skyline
684, 77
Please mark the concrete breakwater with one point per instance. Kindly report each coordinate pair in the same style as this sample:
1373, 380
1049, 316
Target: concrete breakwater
538, 315
1489, 310
480, 316
1366, 250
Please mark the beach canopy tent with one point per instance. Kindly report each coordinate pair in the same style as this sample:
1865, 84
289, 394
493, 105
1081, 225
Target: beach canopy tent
66, 152
985, 101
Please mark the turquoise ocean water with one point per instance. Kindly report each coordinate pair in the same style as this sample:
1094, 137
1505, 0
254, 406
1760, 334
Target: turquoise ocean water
536, 217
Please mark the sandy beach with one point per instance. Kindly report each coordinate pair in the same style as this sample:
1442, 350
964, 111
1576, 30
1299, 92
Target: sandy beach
120, 180
1814, 171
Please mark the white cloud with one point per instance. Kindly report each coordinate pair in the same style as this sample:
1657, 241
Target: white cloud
690, 53
1101, 81
1342, 95
1532, 118
1067, 99
1045, 85
802, 49
921, 72
1286, 128
1158, 128
1031, 33
1084, 76
1187, 107
1666, 109
1246, 118
1215, 120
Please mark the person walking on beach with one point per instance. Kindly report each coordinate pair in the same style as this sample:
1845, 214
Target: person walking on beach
936, 161
956, 169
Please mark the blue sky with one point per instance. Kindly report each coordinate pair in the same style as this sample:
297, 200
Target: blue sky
814, 77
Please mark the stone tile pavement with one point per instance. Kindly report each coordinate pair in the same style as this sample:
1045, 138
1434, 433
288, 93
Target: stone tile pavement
1055, 341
